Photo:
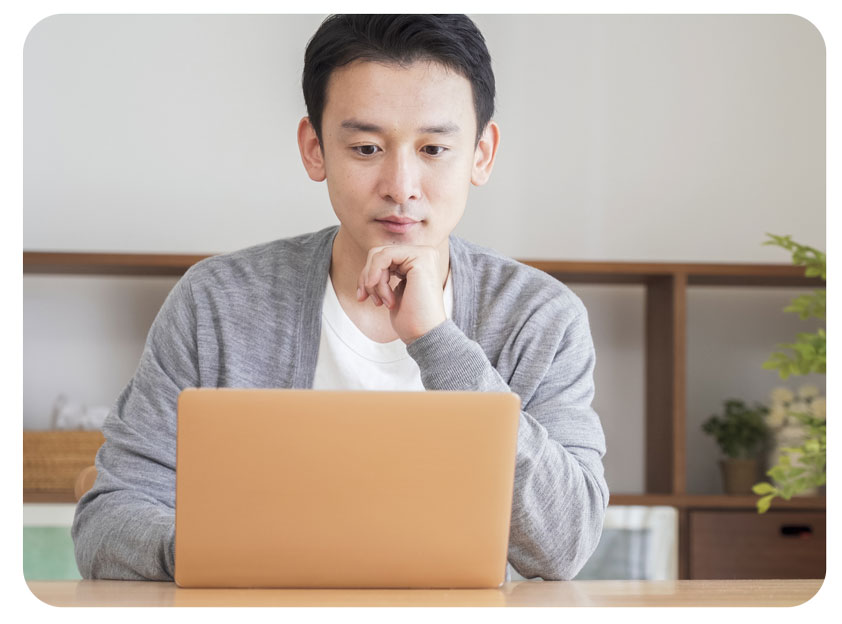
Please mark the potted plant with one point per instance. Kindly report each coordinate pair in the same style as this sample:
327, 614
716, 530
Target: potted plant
800, 467
741, 434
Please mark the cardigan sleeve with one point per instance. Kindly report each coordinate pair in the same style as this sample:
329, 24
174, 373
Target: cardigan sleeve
124, 527
560, 493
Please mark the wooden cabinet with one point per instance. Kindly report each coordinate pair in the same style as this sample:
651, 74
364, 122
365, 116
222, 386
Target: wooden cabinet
743, 544
711, 528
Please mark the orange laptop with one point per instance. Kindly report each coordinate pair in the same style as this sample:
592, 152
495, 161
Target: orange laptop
305, 488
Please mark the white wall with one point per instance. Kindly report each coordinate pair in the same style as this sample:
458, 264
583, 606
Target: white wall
662, 138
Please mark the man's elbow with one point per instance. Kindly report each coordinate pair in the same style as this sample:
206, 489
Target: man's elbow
563, 562
84, 550
567, 558
564, 566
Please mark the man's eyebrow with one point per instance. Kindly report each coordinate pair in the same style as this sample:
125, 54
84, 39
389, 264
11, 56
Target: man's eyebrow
448, 128
362, 126
353, 124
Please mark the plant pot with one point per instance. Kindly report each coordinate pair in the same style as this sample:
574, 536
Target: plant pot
738, 475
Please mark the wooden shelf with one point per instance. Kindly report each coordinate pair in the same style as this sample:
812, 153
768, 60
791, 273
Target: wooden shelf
47, 262
681, 502
666, 286
714, 501
68, 263
696, 274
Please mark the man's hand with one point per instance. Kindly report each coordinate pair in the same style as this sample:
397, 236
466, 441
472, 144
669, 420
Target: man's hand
416, 304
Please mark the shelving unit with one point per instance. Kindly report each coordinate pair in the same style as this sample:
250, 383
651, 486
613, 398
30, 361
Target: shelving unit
666, 286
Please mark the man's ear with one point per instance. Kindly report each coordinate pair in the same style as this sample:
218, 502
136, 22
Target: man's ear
311, 150
485, 153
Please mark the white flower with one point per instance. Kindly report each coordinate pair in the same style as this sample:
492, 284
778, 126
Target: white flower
799, 407
808, 392
791, 435
782, 395
819, 406
776, 416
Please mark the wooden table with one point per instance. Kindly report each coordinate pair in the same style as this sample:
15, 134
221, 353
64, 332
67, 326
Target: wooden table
730, 593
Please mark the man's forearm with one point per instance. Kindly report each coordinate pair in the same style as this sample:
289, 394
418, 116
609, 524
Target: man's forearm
124, 527
559, 493
120, 536
558, 505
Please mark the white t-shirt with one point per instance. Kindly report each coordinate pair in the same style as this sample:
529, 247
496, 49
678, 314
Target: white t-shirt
349, 360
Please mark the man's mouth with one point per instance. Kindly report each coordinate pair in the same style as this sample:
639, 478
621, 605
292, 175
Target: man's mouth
398, 225
399, 220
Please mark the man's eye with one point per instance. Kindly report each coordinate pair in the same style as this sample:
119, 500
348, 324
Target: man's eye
365, 150
434, 150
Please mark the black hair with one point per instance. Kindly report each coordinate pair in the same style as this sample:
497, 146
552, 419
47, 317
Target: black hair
453, 41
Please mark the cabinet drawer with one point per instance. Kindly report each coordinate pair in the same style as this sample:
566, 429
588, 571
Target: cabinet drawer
748, 545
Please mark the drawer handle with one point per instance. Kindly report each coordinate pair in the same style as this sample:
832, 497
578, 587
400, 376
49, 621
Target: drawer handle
796, 530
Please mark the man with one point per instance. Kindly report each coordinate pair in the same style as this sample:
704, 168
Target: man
399, 126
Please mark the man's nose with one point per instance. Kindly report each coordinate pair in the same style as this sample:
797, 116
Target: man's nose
401, 178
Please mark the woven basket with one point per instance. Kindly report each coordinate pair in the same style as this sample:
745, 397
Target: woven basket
53, 459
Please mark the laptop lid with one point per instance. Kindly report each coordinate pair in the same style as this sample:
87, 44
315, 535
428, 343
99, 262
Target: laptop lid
305, 488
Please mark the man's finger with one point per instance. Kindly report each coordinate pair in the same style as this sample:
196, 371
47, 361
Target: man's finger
368, 279
383, 290
364, 290
378, 272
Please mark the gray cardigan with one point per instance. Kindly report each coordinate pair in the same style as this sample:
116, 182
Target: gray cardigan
252, 319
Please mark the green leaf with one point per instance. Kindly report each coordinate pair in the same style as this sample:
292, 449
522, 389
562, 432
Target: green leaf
790, 450
764, 503
800, 485
763, 488
778, 473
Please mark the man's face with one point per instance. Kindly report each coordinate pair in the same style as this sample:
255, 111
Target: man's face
399, 152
